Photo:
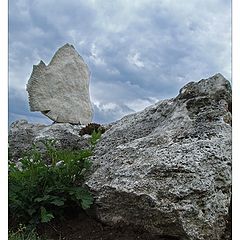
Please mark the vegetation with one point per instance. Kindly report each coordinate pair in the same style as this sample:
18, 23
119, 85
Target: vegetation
42, 186
23, 234
92, 127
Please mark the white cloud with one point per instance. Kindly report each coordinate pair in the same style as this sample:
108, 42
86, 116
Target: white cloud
109, 106
135, 60
140, 104
81, 42
95, 55
73, 35
113, 71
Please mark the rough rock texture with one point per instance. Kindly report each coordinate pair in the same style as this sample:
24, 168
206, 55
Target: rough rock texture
23, 134
167, 169
61, 89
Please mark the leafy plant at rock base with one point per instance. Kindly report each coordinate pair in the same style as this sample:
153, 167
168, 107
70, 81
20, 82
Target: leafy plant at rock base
23, 234
39, 192
94, 138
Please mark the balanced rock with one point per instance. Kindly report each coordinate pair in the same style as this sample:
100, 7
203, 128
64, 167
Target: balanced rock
60, 90
167, 169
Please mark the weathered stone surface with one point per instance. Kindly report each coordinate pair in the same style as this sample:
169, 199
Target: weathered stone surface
167, 169
20, 137
60, 90
23, 134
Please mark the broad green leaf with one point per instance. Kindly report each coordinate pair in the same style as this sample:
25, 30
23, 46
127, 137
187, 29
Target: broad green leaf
86, 201
57, 202
45, 216
41, 199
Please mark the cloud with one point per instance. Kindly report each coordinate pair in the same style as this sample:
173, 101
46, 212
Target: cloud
20, 109
107, 113
135, 60
136, 50
95, 57
139, 104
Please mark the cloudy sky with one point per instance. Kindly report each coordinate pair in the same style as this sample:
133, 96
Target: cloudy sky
138, 51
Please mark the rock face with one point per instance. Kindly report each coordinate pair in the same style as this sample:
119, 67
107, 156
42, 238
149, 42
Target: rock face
61, 89
167, 169
23, 134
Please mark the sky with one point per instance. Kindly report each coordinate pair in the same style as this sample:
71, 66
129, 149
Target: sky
138, 51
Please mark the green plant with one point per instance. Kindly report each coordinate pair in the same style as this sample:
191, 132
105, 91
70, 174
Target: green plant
22, 233
96, 135
40, 191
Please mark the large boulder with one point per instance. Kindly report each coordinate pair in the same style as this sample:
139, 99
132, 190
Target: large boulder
167, 169
60, 90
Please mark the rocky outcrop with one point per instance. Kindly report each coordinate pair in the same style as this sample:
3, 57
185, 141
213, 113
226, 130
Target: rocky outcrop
60, 90
22, 136
167, 169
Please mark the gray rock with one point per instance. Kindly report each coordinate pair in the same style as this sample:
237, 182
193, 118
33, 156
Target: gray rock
167, 169
22, 135
61, 89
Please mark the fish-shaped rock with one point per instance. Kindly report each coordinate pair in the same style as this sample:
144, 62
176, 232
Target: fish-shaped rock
60, 90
